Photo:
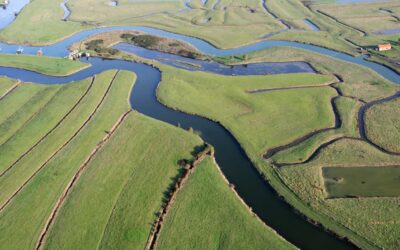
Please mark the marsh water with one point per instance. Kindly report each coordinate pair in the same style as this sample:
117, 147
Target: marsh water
231, 158
344, 182
66, 10
214, 67
312, 25
7, 14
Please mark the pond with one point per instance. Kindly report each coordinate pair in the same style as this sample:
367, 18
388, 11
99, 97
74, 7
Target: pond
350, 182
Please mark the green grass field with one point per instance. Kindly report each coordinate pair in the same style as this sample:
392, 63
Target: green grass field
224, 99
348, 112
42, 64
120, 202
129, 175
359, 82
225, 23
6, 85
34, 202
373, 219
383, 125
228, 20
368, 17
198, 210
47, 132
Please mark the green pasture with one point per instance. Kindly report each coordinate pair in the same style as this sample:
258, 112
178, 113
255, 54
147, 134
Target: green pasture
235, 22
194, 221
30, 208
302, 184
123, 187
359, 82
383, 125
5, 85
368, 17
260, 120
42, 64
348, 110
378, 213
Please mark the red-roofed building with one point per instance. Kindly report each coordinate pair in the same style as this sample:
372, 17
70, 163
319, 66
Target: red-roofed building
384, 47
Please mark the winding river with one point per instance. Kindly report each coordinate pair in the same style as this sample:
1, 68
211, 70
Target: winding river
231, 158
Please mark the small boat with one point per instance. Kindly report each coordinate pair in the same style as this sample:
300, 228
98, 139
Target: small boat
39, 52
20, 50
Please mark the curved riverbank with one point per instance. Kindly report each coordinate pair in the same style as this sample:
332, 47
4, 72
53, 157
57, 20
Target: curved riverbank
60, 49
231, 157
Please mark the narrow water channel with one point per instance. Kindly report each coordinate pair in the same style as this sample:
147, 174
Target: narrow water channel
233, 161
8, 14
230, 157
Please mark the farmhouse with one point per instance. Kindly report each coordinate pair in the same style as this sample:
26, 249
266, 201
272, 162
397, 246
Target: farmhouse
384, 47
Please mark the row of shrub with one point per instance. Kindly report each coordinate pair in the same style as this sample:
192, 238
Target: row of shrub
97, 46
145, 41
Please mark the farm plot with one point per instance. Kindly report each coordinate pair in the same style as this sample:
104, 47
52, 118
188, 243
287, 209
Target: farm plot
369, 17
123, 187
383, 125
375, 219
347, 109
301, 183
6, 86
194, 221
102, 12
29, 125
259, 120
33, 200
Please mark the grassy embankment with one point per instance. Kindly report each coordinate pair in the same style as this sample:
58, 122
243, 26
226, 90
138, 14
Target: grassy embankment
383, 125
277, 121
187, 227
42, 64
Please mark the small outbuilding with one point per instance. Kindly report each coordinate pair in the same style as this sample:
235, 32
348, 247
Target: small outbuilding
384, 47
